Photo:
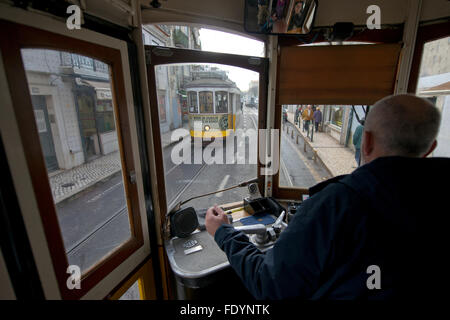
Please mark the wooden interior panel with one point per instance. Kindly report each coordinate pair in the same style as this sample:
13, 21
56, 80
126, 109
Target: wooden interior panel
349, 74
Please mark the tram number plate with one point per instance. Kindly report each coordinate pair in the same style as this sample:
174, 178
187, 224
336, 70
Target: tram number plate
192, 250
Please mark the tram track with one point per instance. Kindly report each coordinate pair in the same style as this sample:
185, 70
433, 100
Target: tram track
75, 248
186, 186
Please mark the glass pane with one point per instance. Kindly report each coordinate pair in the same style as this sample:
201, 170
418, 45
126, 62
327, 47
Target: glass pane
76, 121
190, 37
218, 146
206, 101
221, 101
318, 142
133, 293
434, 84
193, 104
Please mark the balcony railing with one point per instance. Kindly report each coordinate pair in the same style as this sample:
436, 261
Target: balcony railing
82, 62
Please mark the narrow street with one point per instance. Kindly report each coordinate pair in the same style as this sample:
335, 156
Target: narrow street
95, 221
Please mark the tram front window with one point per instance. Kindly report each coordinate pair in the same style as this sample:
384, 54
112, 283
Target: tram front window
210, 95
206, 101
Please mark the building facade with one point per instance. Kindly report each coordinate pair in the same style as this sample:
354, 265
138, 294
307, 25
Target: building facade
73, 106
434, 84
171, 80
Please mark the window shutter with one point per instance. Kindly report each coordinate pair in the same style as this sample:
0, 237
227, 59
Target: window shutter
345, 74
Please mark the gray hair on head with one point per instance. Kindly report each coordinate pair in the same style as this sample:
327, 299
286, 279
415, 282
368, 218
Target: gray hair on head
404, 125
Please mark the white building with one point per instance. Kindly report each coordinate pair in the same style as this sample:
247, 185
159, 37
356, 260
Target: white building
170, 80
434, 83
72, 102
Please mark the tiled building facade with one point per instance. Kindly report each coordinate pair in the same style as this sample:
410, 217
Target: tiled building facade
57, 82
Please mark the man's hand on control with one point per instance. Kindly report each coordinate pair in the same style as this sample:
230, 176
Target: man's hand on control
215, 217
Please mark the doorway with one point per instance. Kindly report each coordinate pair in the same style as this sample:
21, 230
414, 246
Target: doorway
45, 132
88, 127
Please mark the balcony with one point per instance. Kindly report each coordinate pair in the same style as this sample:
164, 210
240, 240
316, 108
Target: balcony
81, 65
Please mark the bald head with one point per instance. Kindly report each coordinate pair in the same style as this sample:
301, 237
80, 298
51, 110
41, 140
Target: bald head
401, 125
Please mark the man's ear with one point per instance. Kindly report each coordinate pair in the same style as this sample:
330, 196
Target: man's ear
433, 146
367, 143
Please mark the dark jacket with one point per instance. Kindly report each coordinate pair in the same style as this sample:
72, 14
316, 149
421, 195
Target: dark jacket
357, 136
391, 213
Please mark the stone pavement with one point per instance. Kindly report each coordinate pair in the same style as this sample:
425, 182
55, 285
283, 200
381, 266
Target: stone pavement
70, 182
336, 158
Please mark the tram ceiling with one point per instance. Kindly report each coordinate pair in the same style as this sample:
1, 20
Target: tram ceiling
231, 13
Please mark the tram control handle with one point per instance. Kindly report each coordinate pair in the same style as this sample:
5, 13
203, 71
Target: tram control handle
263, 234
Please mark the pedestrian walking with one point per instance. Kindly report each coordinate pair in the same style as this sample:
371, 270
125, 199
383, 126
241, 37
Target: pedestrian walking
297, 113
262, 12
307, 116
357, 137
317, 118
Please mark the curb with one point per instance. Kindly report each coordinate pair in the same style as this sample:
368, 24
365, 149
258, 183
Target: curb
90, 184
316, 155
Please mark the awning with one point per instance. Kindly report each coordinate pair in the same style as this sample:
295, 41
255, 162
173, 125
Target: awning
102, 89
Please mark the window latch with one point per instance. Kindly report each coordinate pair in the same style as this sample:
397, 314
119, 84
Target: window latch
132, 177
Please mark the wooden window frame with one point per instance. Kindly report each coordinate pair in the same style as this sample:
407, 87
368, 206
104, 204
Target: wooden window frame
143, 275
286, 192
425, 34
176, 56
15, 37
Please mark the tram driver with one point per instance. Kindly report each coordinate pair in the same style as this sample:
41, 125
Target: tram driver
384, 220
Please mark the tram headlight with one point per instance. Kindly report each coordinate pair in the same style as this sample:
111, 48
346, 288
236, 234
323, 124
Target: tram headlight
206, 128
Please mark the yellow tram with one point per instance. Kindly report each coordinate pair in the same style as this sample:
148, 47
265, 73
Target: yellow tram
214, 105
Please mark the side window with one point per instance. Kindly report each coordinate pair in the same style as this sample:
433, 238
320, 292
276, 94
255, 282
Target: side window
74, 110
320, 130
193, 104
434, 84
76, 119
318, 142
221, 102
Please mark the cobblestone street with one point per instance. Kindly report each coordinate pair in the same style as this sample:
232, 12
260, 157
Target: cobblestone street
72, 181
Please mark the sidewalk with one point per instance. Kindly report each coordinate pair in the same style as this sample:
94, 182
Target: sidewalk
72, 181
336, 158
